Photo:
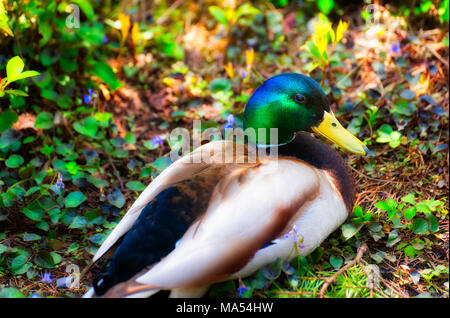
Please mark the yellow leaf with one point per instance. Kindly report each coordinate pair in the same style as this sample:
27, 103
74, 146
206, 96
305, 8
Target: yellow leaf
342, 27
4, 20
321, 27
229, 69
124, 25
135, 33
249, 57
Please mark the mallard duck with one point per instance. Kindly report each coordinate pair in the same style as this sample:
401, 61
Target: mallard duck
204, 221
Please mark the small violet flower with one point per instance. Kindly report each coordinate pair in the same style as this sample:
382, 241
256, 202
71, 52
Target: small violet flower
242, 289
157, 141
59, 184
88, 97
105, 39
244, 74
295, 236
35, 296
47, 278
292, 233
395, 48
230, 121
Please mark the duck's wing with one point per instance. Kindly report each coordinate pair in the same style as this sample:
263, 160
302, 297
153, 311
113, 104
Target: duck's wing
213, 154
249, 208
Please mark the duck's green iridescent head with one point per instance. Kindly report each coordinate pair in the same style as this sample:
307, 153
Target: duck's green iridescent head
294, 102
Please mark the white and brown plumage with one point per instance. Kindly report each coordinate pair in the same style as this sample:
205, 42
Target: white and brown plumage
201, 223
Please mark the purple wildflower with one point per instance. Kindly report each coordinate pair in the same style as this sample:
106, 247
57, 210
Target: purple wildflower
88, 97
244, 74
35, 296
395, 48
242, 289
47, 278
230, 121
156, 141
295, 236
292, 233
105, 39
59, 184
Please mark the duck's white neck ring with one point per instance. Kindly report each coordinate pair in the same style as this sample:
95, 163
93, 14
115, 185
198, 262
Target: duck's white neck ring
277, 145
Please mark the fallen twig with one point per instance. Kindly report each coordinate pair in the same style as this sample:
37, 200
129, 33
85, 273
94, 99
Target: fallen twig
361, 250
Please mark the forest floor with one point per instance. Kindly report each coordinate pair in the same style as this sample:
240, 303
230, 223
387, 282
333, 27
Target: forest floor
387, 82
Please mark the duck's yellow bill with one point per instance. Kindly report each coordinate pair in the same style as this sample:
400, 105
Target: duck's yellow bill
331, 129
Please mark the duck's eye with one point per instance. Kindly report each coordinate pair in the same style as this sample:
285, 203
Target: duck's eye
299, 98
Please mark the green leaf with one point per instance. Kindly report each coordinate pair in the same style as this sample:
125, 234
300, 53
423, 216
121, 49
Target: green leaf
393, 238
136, 186
68, 65
349, 230
45, 29
13, 68
382, 206
18, 263
220, 84
97, 238
9, 138
14, 161
410, 251
219, 15
395, 139
246, 9
434, 224
88, 126
78, 222
16, 92
99, 183
336, 261
161, 163
410, 212
27, 237
86, 7
105, 72
169, 46
418, 244
423, 207
325, 6
25, 75
34, 211
409, 198
358, 212
314, 50
74, 199
103, 118
116, 198
44, 120
7, 118
419, 226
10, 292
72, 167
384, 133
47, 259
